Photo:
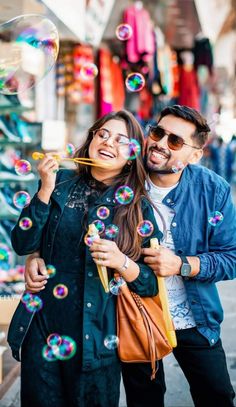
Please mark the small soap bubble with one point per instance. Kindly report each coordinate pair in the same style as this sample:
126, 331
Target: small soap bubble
5, 255
111, 342
132, 150
100, 225
23, 167
70, 150
103, 212
35, 304
21, 199
25, 223
115, 285
88, 71
60, 291
111, 231
26, 297
145, 228
215, 218
135, 82
124, 195
51, 270
124, 32
48, 354
177, 167
89, 240
54, 340
67, 348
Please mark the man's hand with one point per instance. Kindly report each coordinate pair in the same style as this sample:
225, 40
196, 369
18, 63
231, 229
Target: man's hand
35, 273
162, 261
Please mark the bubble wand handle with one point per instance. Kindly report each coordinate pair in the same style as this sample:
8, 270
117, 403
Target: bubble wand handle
170, 330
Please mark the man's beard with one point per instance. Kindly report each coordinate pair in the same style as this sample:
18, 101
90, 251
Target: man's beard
153, 167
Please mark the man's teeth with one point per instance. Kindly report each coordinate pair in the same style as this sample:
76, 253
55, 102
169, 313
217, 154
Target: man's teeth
158, 155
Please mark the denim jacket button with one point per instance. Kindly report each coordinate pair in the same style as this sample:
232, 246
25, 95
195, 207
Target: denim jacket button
87, 336
21, 329
174, 224
168, 200
89, 305
90, 274
212, 340
58, 193
108, 199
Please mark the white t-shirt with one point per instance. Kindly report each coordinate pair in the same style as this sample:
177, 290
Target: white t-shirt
179, 305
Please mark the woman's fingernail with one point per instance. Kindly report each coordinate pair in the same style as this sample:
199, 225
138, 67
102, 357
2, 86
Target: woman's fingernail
42, 288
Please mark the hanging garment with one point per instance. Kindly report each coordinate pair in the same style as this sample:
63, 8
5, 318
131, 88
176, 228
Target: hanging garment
189, 91
203, 55
141, 45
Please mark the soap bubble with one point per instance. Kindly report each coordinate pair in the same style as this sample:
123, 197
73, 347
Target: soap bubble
22, 167
124, 195
178, 166
111, 231
25, 223
48, 354
54, 340
88, 71
145, 228
111, 342
100, 225
60, 291
70, 150
5, 257
103, 212
115, 285
66, 350
34, 304
21, 199
51, 270
135, 82
131, 150
26, 297
28, 50
215, 218
124, 32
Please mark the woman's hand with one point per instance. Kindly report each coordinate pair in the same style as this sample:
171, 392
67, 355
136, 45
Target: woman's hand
106, 253
47, 169
35, 273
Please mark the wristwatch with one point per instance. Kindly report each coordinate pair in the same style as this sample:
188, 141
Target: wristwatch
185, 269
125, 265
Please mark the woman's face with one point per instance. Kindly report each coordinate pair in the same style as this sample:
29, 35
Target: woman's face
110, 144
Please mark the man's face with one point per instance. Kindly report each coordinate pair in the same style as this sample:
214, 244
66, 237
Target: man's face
160, 158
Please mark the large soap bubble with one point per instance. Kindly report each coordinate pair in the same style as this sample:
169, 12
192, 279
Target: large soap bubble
29, 47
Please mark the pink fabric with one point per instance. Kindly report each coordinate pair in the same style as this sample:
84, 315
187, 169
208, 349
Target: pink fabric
141, 45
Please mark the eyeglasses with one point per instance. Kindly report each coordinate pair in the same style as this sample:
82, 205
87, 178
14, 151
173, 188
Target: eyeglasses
174, 142
104, 135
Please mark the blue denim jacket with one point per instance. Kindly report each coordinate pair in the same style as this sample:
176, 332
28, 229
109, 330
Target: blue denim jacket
200, 193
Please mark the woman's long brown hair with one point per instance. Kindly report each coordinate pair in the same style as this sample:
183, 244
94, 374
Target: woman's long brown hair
127, 217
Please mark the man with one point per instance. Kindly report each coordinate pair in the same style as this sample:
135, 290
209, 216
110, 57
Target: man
194, 209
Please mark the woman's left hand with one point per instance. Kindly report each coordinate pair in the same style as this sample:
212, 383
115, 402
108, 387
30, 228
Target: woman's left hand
106, 253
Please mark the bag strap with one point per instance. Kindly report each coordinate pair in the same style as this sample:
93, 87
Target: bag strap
150, 336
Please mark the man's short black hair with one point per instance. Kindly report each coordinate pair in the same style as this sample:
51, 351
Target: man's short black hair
193, 116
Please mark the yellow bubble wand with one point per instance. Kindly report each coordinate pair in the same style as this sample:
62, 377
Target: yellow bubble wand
92, 162
170, 331
89, 238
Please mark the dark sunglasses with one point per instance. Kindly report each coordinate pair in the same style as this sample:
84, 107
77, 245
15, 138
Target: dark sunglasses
156, 133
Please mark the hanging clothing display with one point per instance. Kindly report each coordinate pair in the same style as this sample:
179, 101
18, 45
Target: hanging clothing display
111, 90
140, 47
203, 55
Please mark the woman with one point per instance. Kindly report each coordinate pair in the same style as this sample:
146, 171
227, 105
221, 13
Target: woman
66, 203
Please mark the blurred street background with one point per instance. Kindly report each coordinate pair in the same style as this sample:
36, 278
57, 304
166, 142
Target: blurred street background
92, 57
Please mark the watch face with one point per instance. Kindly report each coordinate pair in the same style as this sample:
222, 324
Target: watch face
185, 270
